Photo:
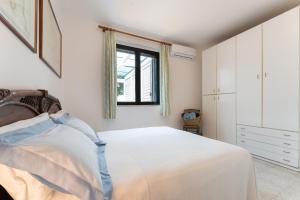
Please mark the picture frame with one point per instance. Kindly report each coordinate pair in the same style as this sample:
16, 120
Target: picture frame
20, 17
50, 38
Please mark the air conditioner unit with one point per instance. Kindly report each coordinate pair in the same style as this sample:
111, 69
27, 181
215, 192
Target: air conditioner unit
183, 52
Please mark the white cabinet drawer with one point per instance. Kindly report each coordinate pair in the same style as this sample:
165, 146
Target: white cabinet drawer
269, 132
290, 144
289, 153
281, 158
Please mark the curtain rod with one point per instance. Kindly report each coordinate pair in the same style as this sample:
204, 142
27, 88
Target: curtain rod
104, 28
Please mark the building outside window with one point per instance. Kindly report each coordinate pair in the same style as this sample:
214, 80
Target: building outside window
138, 76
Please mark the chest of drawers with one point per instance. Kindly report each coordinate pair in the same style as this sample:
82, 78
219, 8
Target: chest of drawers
276, 145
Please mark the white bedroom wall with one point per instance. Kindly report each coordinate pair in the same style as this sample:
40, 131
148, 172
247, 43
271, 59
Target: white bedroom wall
80, 90
83, 80
22, 69
83, 75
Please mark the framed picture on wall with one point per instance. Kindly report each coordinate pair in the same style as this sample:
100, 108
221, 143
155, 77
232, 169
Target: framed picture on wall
20, 16
50, 38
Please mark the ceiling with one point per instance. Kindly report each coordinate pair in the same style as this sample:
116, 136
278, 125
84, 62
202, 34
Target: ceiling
196, 23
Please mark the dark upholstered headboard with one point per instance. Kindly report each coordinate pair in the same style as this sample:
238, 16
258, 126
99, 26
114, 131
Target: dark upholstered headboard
16, 105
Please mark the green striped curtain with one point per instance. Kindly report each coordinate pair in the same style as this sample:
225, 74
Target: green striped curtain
164, 80
110, 75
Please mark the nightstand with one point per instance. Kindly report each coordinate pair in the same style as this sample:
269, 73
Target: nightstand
192, 129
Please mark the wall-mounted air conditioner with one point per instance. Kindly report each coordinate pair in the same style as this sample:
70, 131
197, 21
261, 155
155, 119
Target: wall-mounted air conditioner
183, 52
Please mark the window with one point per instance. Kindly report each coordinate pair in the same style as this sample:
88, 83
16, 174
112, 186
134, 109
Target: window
138, 76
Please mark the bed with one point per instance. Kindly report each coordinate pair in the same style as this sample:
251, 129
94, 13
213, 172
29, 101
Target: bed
156, 163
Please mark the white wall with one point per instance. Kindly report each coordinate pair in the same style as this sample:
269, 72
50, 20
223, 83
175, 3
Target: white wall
22, 69
81, 88
83, 80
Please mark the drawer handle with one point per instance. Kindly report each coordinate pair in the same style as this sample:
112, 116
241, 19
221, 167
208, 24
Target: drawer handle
243, 128
287, 135
285, 160
287, 144
243, 135
287, 152
243, 141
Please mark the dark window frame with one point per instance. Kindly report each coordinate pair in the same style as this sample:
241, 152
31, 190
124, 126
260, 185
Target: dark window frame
156, 76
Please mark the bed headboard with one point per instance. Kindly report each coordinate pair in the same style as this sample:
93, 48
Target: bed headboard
16, 105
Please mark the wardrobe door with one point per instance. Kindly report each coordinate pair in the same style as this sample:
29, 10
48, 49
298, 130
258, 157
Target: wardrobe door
226, 118
281, 71
226, 62
209, 116
209, 71
249, 73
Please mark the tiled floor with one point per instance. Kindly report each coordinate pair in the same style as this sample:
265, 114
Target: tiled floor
276, 183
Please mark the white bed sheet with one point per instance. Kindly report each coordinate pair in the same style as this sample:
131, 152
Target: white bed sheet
162, 163
159, 163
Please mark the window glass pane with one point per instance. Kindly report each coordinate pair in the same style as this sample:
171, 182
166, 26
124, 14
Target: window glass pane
126, 76
148, 78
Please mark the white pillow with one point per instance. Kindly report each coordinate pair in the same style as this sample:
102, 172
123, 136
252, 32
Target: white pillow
24, 123
65, 118
57, 155
21, 186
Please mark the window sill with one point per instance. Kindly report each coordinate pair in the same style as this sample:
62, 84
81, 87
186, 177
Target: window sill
138, 104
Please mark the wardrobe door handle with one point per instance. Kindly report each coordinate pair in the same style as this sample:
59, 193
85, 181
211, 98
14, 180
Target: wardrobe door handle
287, 144
266, 74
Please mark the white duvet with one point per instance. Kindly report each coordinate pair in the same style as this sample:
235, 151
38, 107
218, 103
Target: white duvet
159, 163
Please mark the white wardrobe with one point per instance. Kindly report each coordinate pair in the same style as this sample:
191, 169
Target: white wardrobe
267, 91
218, 75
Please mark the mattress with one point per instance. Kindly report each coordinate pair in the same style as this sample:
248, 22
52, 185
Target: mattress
158, 163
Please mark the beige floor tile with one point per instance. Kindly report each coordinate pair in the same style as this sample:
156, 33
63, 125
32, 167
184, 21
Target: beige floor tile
275, 182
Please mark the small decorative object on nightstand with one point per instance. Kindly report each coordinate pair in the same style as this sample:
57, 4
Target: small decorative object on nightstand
191, 120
